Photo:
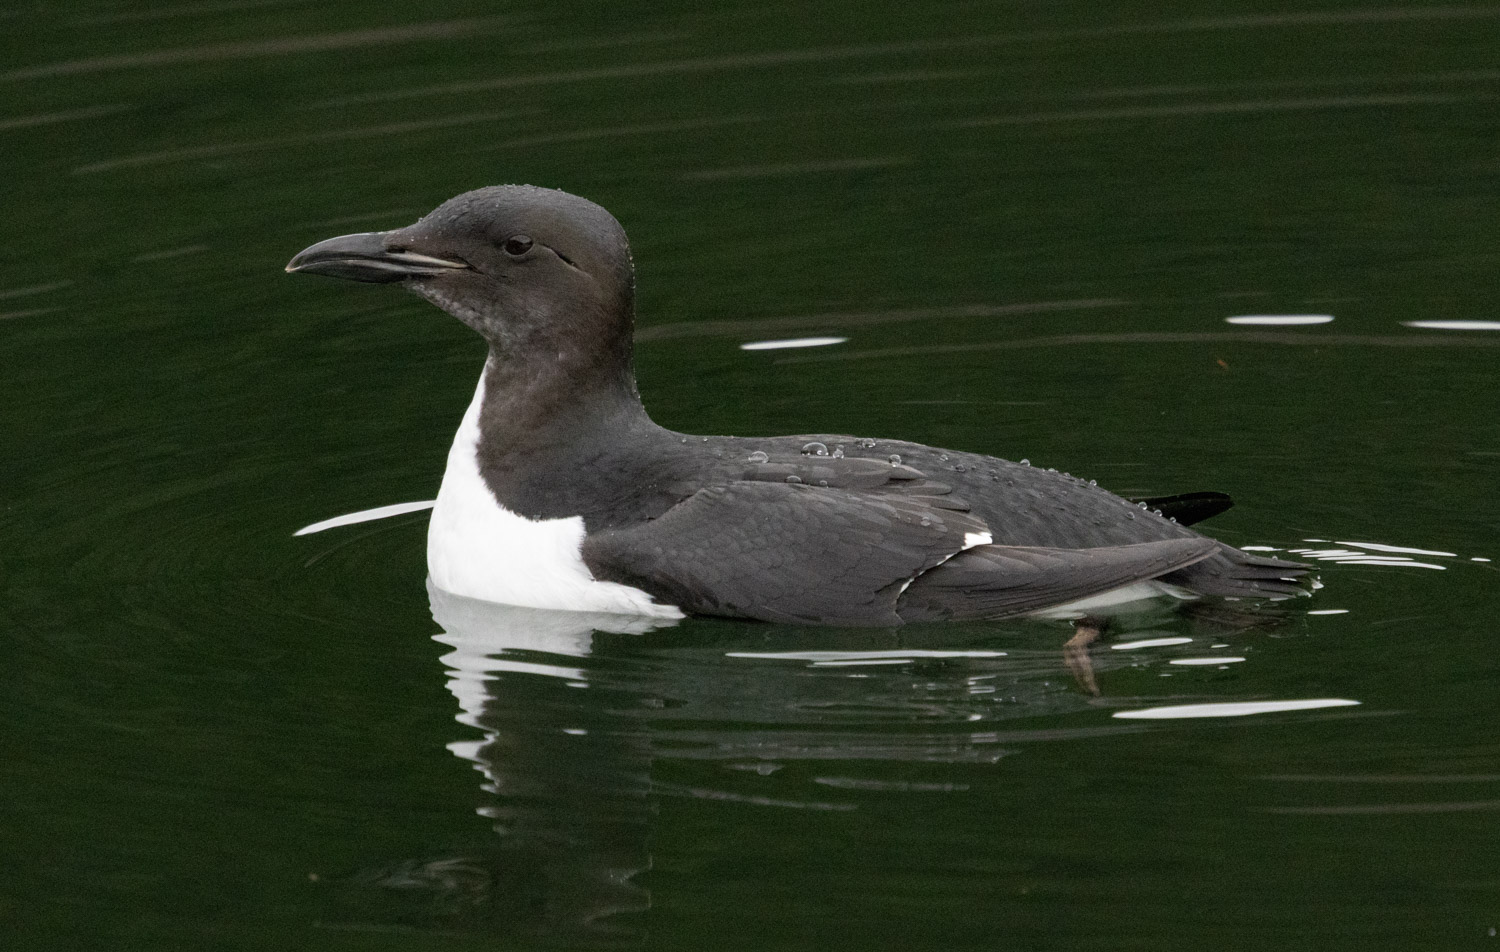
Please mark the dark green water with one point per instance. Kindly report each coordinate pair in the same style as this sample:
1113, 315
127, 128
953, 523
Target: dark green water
1031, 222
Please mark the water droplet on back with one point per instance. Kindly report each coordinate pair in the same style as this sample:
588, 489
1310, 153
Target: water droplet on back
758, 457
1025, 462
814, 449
798, 479
895, 459
838, 451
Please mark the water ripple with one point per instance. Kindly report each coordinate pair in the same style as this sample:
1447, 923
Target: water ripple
1387, 809
28, 312
1183, 89
9, 293
600, 42
217, 150
827, 54
1384, 778
755, 326
257, 49
1201, 109
778, 169
596, 133
167, 254
1155, 337
65, 115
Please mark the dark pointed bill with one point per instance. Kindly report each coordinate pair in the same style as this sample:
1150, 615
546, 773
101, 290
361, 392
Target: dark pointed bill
367, 257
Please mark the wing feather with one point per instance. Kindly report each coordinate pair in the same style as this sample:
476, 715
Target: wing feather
784, 552
997, 581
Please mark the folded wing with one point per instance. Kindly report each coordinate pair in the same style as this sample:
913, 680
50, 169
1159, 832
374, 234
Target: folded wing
997, 581
797, 553
785, 552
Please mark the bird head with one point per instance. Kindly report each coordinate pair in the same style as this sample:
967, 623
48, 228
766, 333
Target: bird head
520, 265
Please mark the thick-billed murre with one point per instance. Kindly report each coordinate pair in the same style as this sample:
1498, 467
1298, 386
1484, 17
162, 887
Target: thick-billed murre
560, 492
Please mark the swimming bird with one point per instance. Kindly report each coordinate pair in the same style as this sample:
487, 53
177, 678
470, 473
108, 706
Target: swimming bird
560, 491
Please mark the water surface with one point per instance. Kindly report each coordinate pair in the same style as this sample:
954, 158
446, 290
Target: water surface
1019, 230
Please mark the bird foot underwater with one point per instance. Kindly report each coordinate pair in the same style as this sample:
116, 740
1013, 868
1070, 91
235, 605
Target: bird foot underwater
1086, 631
560, 491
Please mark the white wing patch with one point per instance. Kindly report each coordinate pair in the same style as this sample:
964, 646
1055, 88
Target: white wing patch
971, 539
479, 549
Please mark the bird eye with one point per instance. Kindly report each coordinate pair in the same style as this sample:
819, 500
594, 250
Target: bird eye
517, 245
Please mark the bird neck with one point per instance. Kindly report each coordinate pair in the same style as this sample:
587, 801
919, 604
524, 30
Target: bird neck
531, 404
546, 423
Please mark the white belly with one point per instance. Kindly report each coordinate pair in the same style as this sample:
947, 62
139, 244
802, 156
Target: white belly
479, 549
1116, 601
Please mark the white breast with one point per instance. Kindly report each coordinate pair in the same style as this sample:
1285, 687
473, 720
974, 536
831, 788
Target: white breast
478, 548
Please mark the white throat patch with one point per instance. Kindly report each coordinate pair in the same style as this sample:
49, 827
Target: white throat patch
479, 549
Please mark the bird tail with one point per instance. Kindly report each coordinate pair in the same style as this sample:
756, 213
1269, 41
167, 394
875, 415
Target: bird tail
1234, 574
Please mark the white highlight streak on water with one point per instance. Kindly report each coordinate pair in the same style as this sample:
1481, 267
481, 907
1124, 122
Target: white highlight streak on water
1149, 643
1230, 709
898, 654
1455, 325
1380, 547
366, 515
1280, 320
794, 342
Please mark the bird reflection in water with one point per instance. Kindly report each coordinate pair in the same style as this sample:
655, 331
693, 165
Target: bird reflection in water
567, 766
590, 723
1221, 617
